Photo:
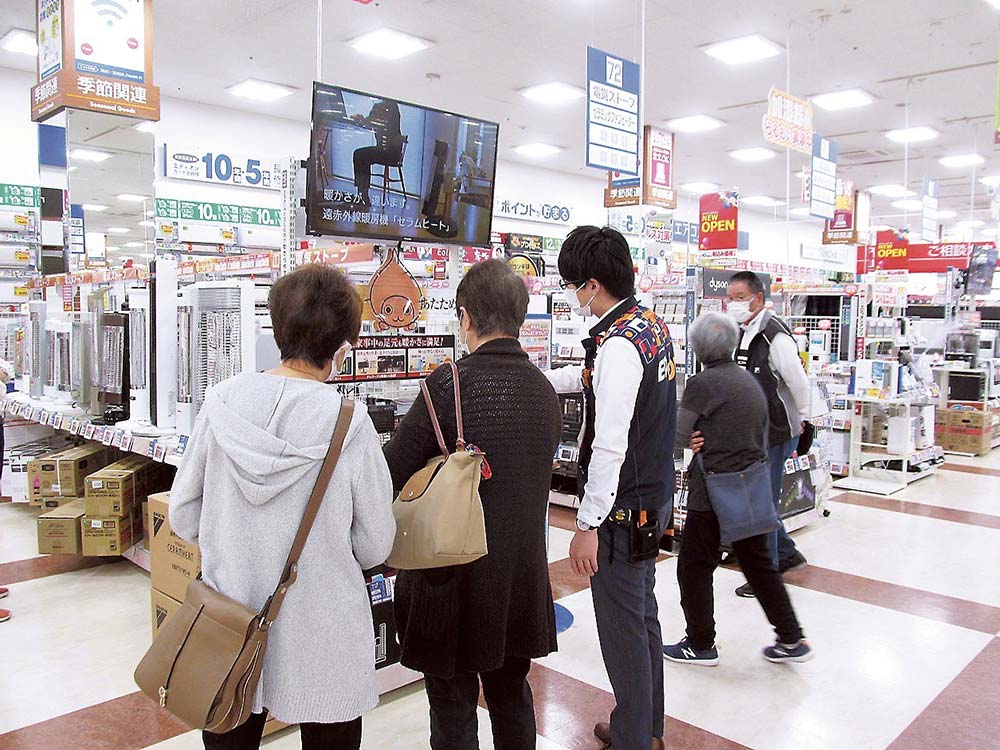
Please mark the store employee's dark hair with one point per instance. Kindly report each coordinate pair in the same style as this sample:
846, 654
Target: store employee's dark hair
314, 310
495, 298
601, 254
752, 280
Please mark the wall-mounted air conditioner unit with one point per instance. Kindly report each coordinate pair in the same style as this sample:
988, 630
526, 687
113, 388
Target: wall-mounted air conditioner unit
267, 238
18, 220
207, 234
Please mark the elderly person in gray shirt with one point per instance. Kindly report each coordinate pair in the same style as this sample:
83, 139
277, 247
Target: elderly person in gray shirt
727, 406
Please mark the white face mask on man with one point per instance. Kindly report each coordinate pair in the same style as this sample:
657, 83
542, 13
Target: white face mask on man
573, 300
739, 310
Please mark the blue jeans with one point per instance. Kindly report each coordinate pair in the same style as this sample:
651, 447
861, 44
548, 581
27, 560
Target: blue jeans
779, 543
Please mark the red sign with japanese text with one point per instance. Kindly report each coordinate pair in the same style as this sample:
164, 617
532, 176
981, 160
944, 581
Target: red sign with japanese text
922, 258
718, 226
841, 230
658, 170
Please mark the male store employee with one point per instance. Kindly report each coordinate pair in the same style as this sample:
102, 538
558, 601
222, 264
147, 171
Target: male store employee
626, 473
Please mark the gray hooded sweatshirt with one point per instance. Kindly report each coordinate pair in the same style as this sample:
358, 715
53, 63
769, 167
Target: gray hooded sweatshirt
240, 493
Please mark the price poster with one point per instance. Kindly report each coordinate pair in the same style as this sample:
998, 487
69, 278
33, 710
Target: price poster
396, 357
536, 340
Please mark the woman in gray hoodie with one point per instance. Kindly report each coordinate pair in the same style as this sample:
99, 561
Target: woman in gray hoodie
252, 461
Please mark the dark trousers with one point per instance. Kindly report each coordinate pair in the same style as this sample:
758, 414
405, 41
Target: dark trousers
779, 542
346, 736
628, 628
699, 557
453, 701
364, 158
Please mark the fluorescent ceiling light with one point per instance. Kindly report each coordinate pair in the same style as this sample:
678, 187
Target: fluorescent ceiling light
20, 41
847, 99
94, 207
745, 49
388, 44
758, 153
146, 127
800, 211
761, 200
135, 244
118, 230
946, 214
147, 223
970, 224
991, 180
913, 135
87, 154
909, 204
537, 150
694, 124
553, 93
891, 191
112, 248
132, 197
699, 188
260, 91
962, 160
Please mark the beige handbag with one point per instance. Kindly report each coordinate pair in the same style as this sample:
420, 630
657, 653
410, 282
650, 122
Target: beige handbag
439, 514
205, 663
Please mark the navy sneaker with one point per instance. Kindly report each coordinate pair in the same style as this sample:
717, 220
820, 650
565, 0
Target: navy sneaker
780, 652
795, 562
683, 653
746, 592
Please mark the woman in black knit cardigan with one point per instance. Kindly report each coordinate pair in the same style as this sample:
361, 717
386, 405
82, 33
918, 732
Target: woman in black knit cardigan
489, 618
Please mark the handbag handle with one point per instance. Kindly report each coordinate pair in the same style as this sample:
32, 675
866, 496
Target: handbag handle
435, 423
273, 604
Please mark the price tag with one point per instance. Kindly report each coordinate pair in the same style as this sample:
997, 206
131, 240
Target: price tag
119, 438
380, 590
89, 430
151, 449
127, 443
181, 446
108, 438
159, 452
74, 427
42, 417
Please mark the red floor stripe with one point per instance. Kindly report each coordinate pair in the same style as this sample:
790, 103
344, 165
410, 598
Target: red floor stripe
985, 471
919, 509
48, 565
965, 715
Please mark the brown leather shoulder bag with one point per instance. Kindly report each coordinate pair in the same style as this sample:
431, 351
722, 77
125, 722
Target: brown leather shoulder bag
205, 663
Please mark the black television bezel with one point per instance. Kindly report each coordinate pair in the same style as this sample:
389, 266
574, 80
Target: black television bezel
376, 236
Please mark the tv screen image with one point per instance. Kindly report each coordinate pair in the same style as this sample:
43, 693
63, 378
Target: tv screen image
380, 168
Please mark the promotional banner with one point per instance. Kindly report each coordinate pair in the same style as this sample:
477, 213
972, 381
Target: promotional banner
842, 228
719, 216
220, 168
823, 178
915, 258
929, 230
622, 193
50, 38
612, 112
789, 121
658, 171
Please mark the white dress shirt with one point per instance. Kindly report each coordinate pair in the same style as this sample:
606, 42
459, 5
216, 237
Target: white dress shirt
617, 377
786, 364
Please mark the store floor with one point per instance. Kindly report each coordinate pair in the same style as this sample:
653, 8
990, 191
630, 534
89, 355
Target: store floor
901, 602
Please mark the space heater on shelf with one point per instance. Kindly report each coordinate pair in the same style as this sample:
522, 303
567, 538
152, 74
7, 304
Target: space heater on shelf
113, 366
12, 331
59, 367
37, 353
216, 339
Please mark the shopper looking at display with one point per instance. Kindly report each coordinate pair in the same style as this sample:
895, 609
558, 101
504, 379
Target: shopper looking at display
251, 463
485, 621
626, 475
727, 406
768, 351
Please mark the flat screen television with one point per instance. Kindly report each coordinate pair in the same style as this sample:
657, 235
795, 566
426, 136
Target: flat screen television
982, 265
384, 169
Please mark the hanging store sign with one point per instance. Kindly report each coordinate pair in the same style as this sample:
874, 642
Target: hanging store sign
618, 195
929, 230
612, 112
915, 258
826, 253
225, 213
50, 37
789, 121
551, 213
719, 213
842, 228
221, 168
889, 288
823, 178
658, 169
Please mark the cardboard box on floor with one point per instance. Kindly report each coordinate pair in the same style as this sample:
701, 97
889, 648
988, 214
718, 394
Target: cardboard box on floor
62, 473
59, 530
174, 563
106, 537
110, 492
51, 503
43, 475
163, 607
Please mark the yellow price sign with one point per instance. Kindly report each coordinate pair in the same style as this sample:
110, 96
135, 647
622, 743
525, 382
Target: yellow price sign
20, 291
21, 255
21, 220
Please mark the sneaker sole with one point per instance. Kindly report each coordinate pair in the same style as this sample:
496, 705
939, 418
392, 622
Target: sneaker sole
794, 659
4, 594
746, 596
696, 662
4, 619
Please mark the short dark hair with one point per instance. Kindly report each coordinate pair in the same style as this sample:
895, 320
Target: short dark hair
314, 310
495, 298
602, 254
752, 280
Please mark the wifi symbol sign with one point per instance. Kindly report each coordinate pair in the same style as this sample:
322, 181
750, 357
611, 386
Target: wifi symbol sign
110, 10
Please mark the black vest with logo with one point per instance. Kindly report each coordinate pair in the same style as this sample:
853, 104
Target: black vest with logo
647, 476
756, 359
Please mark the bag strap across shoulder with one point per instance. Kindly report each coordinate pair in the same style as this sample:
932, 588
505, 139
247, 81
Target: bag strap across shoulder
435, 423
290, 573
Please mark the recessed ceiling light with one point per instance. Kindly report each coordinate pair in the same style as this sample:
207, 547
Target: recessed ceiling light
962, 160
847, 99
94, 207
699, 188
553, 93
132, 197
891, 191
970, 224
694, 124
20, 41
389, 44
146, 127
909, 204
537, 150
761, 200
260, 91
758, 153
913, 135
946, 214
118, 230
87, 154
800, 211
147, 223
135, 244
745, 49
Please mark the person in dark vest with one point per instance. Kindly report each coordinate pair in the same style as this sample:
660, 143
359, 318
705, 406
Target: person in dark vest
626, 473
768, 352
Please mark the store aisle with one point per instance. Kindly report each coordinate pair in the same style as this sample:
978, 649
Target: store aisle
901, 602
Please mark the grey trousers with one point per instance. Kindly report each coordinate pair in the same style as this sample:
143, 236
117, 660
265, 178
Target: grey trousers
629, 631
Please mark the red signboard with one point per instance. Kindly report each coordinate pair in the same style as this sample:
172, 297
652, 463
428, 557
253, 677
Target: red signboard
841, 230
718, 228
922, 258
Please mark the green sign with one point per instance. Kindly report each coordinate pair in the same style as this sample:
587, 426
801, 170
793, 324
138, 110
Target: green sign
26, 196
551, 244
223, 213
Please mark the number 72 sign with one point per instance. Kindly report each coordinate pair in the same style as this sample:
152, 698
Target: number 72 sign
220, 168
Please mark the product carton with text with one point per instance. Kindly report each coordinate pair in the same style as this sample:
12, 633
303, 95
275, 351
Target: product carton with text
59, 530
174, 563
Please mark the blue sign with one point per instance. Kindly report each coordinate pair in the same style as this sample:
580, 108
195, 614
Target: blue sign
686, 232
613, 126
823, 176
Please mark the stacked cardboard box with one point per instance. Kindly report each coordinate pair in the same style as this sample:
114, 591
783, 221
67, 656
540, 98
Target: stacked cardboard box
59, 530
107, 537
16, 460
969, 431
114, 498
62, 474
174, 563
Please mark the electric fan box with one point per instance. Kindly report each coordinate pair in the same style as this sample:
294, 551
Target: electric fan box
174, 563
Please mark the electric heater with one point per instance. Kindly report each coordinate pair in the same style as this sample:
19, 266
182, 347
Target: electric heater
37, 354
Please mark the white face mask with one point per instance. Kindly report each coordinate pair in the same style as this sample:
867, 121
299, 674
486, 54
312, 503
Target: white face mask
739, 310
573, 300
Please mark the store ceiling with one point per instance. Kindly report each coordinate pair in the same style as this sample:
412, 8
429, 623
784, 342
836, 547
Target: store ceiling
939, 57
